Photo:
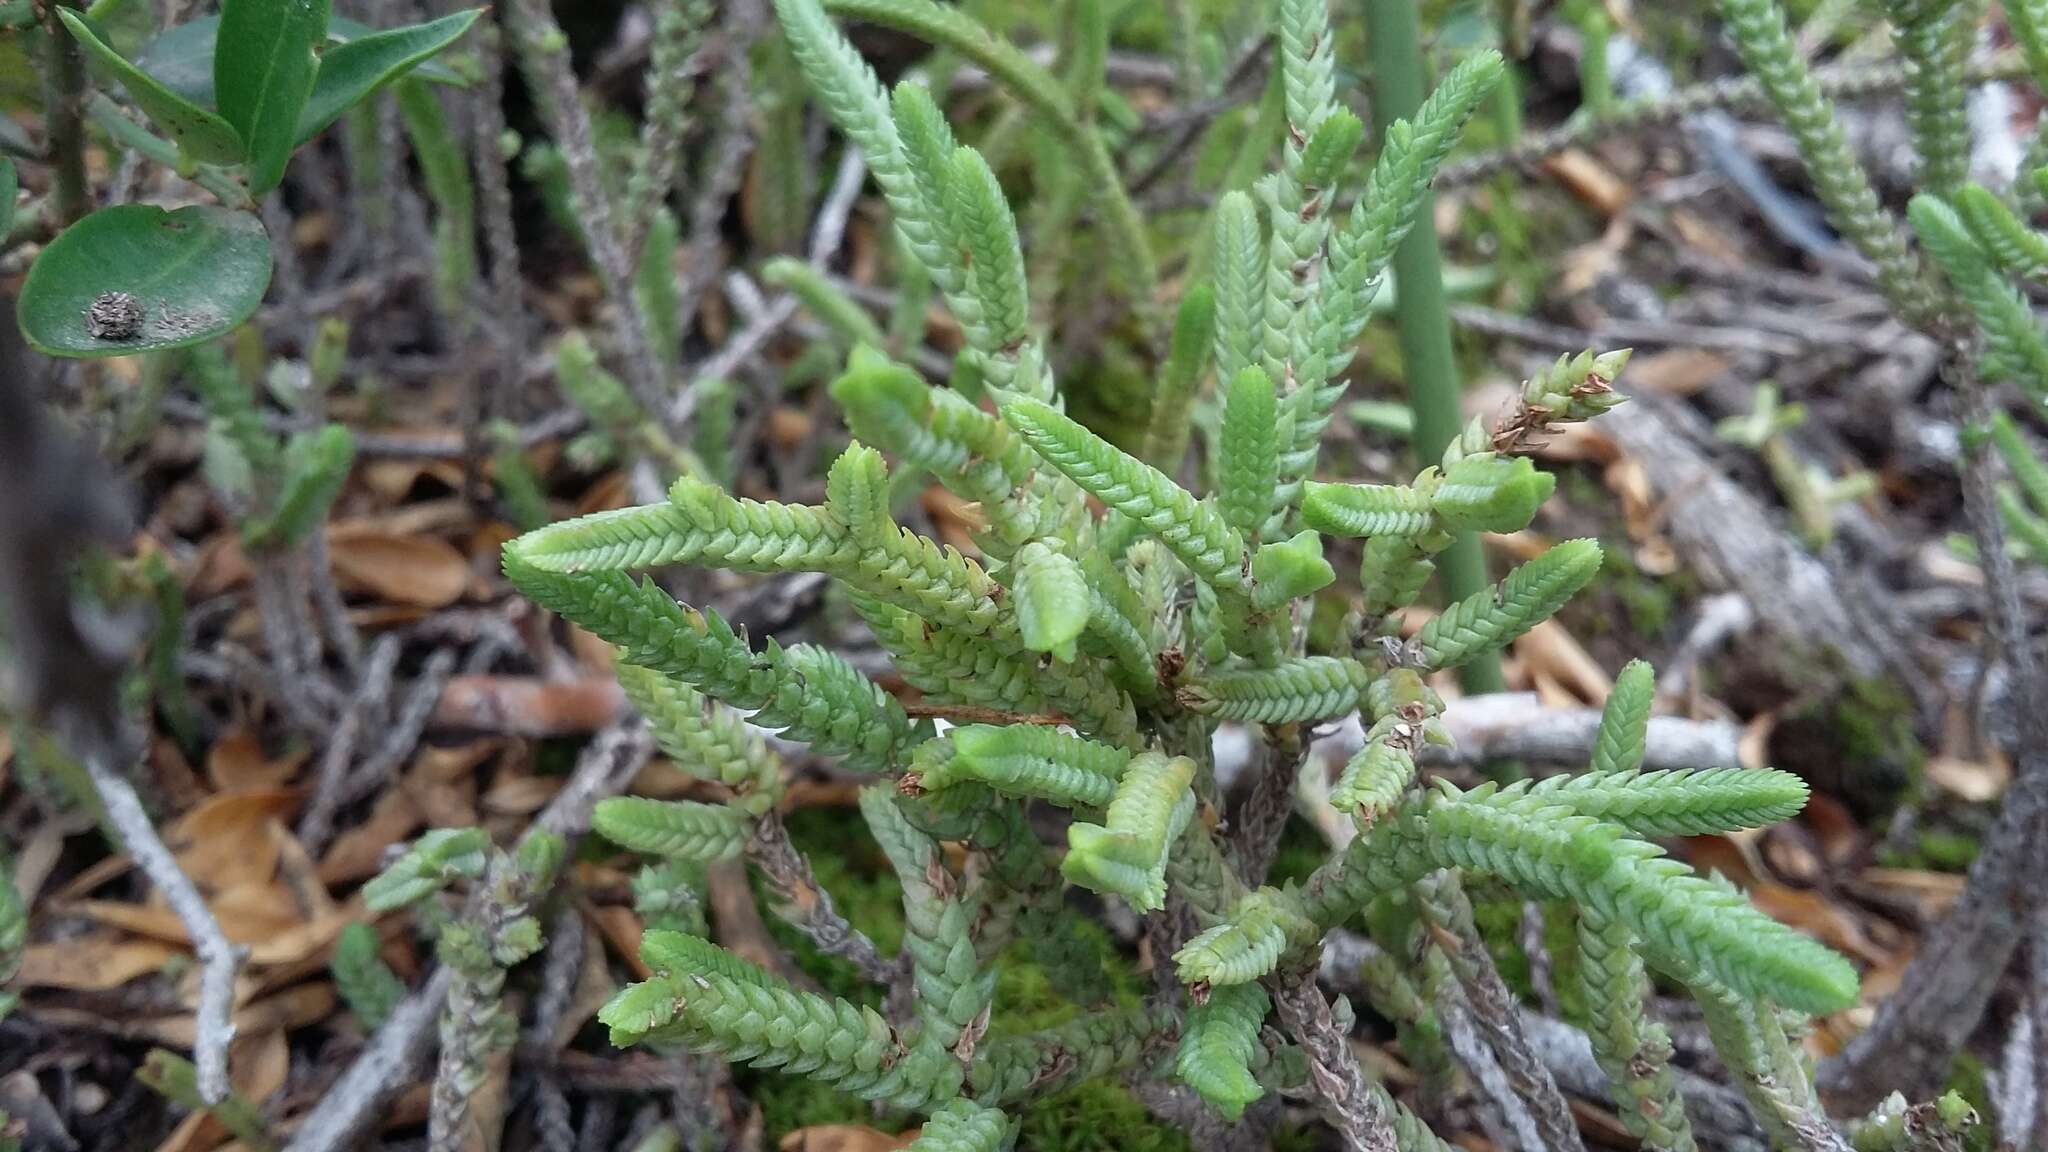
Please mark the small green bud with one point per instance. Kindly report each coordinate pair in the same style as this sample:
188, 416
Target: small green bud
330, 349
1335, 140
1052, 600
1955, 1111
435, 859
1490, 493
637, 1009
516, 941
540, 857
1290, 569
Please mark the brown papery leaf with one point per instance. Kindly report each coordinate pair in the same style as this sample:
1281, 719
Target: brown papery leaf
424, 571
1977, 781
528, 705
1817, 916
223, 842
236, 763
844, 1138
92, 963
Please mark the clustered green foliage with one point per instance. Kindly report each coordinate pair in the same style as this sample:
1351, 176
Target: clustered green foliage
479, 939
227, 99
1096, 652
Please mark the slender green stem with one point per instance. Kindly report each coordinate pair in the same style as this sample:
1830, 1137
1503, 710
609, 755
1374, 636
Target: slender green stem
1420, 312
64, 118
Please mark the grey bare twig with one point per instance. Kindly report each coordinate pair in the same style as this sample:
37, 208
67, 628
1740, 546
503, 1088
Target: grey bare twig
826, 237
218, 959
544, 54
1944, 992
404, 734
1492, 1007
367, 706
1350, 1105
807, 905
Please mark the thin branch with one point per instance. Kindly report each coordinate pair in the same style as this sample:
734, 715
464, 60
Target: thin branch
1449, 914
64, 117
1347, 1102
1944, 992
806, 904
218, 959
826, 238
1262, 815
545, 56
369, 702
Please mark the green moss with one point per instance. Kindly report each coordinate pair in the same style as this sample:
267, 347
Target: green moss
1101, 1116
788, 1103
1301, 852
1936, 851
1647, 601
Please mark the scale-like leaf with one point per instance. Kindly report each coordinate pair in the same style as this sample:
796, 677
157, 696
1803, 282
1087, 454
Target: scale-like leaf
192, 274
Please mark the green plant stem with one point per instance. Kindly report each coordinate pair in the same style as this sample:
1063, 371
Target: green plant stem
1420, 313
64, 118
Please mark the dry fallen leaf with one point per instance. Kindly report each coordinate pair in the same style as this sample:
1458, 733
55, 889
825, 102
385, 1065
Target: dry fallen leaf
236, 763
92, 963
424, 571
1817, 916
1550, 650
223, 841
1976, 781
358, 853
528, 705
844, 1138
1675, 371
620, 928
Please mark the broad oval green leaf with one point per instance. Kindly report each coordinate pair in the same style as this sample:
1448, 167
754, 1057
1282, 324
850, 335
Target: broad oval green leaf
353, 70
194, 273
182, 58
200, 134
263, 73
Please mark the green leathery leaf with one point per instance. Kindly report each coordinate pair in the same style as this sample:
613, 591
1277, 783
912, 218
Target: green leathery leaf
1052, 600
181, 58
263, 73
352, 69
684, 829
198, 133
1331, 148
195, 273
